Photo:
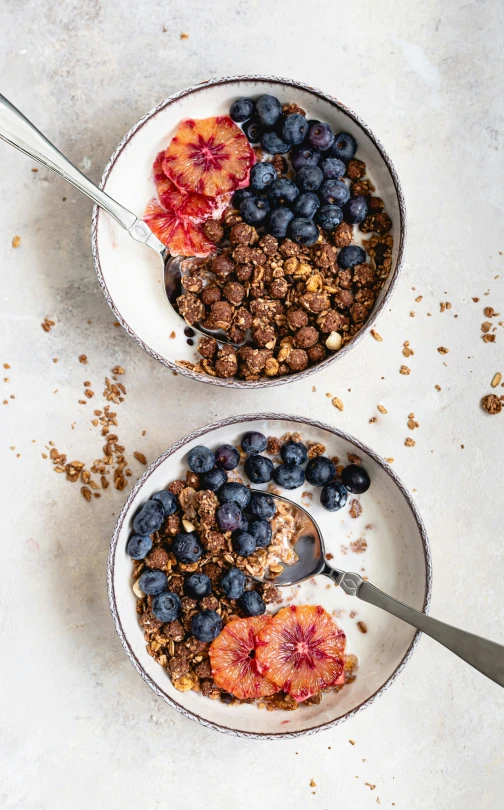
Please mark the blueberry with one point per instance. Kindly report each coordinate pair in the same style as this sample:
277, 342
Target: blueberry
273, 144
295, 127
269, 110
262, 506
355, 211
289, 476
253, 130
227, 457
355, 479
259, 469
262, 175
239, 195
333, 168
320, 470
321, 136
197, 586
253, 442
254, 210
306, 205
200, 459
206, 626
344, 146
350, 256
241, 110
152, 581
233, 583
334, 192
329, 216
294, 453
304, 231
309, 178
233, 491
213, 480
333, 496
138, 546
229, 516
252, 604
304, 156
168, 500
282, 192
149, 519
279, 222
261, 532
166, 606
186, 547
244, 544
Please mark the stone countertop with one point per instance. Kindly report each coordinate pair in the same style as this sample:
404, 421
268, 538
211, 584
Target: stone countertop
79, 728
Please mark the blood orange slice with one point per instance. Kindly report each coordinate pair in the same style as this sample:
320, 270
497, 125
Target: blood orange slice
195, 206
181, 234
209, 156
301, 650
233, 659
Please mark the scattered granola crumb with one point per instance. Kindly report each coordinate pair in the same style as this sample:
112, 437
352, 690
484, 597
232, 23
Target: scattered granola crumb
336, 401
6, 365
404, 370
140, 457
358, 546
376, 336
497, 377
118, 370
362, 627
437, 387
353, 458
313, 783
314, 388
409, 442
486, 326
491, 404
412, 314
16, 241
475, 300
86, 493
184, 35
116, 323
370, 786
46, 324
490, 312
355, 508
442, 350
352, 742
418, 298
172, 335
83, 359
389, 460
489, 338
382, 408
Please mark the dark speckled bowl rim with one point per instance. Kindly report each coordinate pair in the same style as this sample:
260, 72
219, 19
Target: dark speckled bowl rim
261, 383
234, 420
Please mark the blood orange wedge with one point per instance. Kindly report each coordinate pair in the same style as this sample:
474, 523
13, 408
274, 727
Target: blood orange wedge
301, 650
195, 206
233, 659
209, 156
182, 235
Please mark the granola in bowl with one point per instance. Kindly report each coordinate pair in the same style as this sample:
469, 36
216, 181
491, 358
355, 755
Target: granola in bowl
206, 553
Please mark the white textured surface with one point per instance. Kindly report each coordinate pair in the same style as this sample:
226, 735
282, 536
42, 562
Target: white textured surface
79, 728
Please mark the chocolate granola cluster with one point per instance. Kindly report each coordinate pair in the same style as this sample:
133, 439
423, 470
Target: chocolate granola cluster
291, 305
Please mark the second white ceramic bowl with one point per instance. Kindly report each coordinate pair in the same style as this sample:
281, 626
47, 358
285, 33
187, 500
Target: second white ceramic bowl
397, 560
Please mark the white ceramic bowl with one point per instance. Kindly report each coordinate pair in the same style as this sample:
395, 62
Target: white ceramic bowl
129, 273
397, 560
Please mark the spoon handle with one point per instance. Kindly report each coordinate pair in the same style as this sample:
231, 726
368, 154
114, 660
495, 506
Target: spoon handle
482, 654
19, 132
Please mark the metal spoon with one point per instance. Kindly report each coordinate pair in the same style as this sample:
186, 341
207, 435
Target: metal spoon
21, 133
482, 654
